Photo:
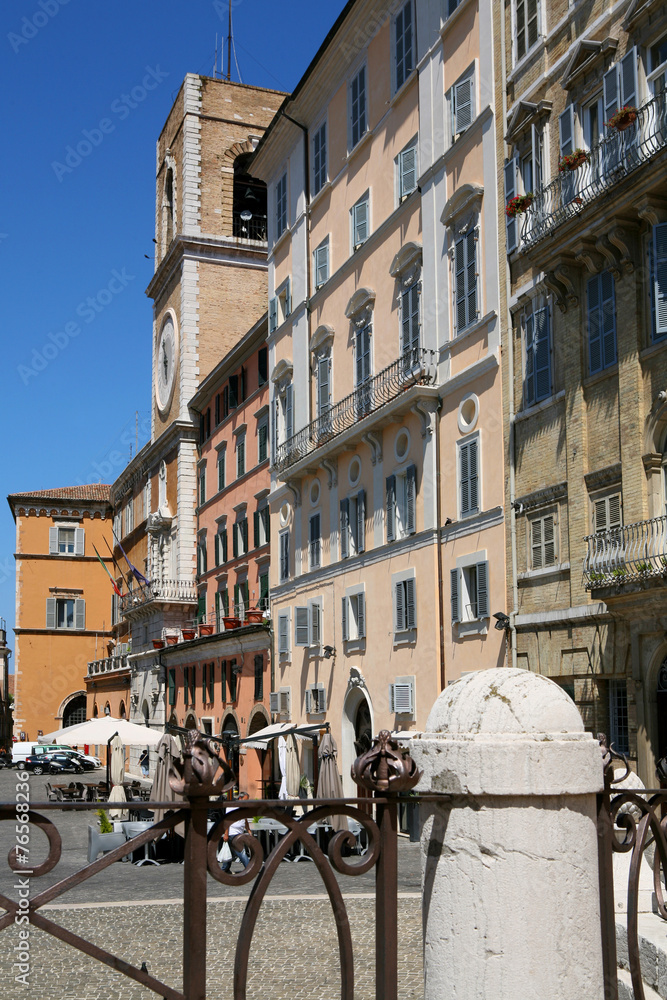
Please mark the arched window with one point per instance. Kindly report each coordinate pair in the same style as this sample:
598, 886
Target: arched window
249, 207
75, 711
168, 205
122, 713
95, 712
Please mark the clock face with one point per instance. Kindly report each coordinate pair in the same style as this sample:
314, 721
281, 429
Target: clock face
165, 365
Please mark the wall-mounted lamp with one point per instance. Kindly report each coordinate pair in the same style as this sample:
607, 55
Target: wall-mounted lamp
502, 621
329, 651
517, 507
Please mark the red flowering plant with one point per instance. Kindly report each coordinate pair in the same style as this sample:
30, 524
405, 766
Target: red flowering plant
518, 205
623, 118
573, 160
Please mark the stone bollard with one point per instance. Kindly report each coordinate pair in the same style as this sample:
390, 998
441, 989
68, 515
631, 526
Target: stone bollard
511, 906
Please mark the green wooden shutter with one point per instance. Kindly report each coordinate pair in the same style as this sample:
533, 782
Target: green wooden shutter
410, 603
454, 581
172, 686
255, 520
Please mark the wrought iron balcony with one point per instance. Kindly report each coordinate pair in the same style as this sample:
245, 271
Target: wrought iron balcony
172, 591
415, 367
613, 159
253, 228
627, 554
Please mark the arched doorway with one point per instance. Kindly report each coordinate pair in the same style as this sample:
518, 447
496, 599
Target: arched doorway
229, 732
258, 762
191, 721
121, 712
356, 732
75, 711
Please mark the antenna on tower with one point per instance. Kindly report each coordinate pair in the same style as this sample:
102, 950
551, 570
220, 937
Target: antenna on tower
136, 430
215, 61
229, 43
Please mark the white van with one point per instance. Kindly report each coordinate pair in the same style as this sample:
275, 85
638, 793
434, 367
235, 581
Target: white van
24, 749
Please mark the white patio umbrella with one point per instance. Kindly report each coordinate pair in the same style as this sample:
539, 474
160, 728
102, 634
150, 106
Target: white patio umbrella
118, 795
168, 750
97, 731
282, 761
117, 766
292, 769
329, 784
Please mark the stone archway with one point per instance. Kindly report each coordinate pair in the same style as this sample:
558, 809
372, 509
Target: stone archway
356, 731
227, 170
258, 763
75, 711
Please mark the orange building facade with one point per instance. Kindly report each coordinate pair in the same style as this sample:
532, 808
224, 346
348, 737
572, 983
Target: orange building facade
63, 602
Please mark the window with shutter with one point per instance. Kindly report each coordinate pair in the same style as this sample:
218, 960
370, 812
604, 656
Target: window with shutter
274, 702
264, 591
263, 366
221, 469
314, 541
403, 45
344, 528
281, 206
324, 385
357, 107
410, 324
283, 633
359, 533
262, 442
79, 542
211, 682
405, 604
607, 512
284, 556
360, 222
659, 283
391, 508
401, 698
321, 263
407, 171
465, 280
240, 456
454, 588
273, 314
361, 614
204, 682
289, 412
410, 603
50, 612
314, 622
543, 542
482, 590
601, 307
319, 158
79, 614
526, 26
410, 500
301, 626
468, 477
345, 619
399, 607
462, 104
566, 134
511, 221
259, 677
538, 356
171, 675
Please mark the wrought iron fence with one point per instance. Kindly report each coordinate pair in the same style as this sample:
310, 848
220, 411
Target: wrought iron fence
612, 159
253, 228
201, 780
416, 366
626, 554
180, 591
629, 821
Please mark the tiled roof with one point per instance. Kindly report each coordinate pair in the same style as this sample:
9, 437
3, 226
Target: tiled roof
100, 492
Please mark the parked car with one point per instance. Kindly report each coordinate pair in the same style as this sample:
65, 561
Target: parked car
52, 763
87, 763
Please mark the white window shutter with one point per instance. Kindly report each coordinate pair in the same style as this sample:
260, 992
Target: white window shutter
79, 542
344, 613
321, 696
309, 702
611, 93
454, 578
361, 615
407, 167
274, 702
660, 277
360, 222
482, 590
399, 607
536, 528
549, 541
50, 612
286, 702
402, 698
79, 614
289, 412
301, 626
511, 222
600, 515
460, 283
614, 519
53, 542
411, 603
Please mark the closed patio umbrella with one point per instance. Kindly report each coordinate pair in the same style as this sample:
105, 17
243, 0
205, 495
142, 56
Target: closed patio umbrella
292, 769
167, 750
329, 785
282, 761
118, 795
117, 765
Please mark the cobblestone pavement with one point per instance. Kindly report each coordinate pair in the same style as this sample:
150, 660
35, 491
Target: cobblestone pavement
136, 913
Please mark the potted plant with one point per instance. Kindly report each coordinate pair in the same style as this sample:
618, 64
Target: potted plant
158, 643
623, 118
172, 640
229, 622
254, 616
519, 204
103, 838
188, 634
205, 629
573, 160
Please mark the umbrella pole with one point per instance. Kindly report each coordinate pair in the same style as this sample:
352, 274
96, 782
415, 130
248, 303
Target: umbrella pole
316, 769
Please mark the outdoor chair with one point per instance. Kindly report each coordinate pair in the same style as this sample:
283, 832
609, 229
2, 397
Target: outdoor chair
51, 793
102, 842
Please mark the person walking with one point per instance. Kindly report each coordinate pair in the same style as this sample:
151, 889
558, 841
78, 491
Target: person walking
239, 826
144, 762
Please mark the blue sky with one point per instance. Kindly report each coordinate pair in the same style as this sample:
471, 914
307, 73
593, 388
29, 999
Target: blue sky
75, 229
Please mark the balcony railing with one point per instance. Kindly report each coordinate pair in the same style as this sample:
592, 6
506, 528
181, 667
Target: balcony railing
253, 228
179, 591
110, 665
616, 156
626, 554
415, 367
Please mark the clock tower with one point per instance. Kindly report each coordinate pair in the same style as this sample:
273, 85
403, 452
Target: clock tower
208, 289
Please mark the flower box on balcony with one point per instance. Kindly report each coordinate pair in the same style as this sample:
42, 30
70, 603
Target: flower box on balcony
172, 640
206, 630
623, 118
254, 617
188, 634
230, 623
573, 160
158, 644
518, 205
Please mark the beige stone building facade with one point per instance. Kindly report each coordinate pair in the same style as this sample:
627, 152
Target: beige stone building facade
581, 134
384, 336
